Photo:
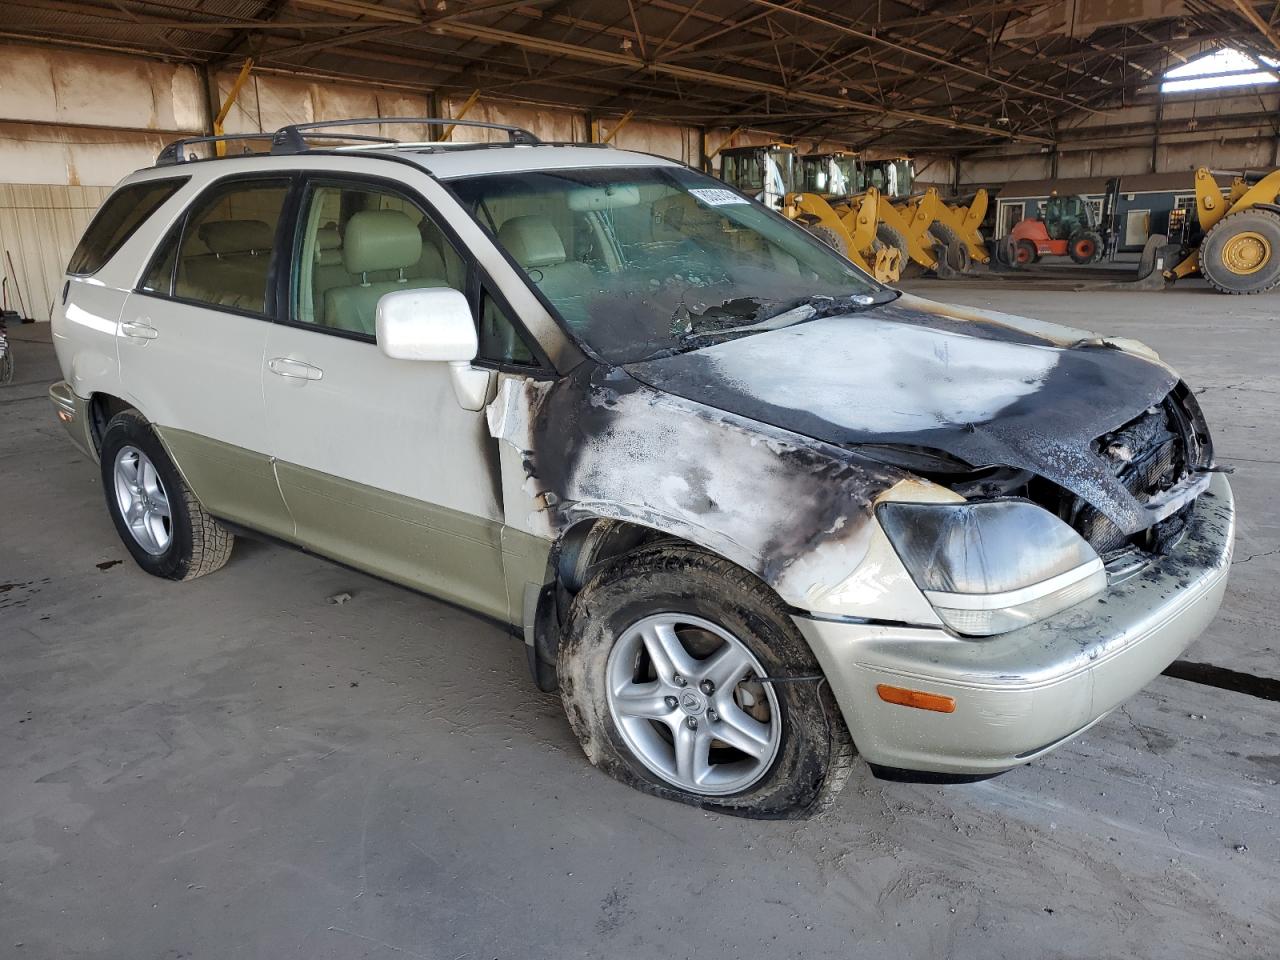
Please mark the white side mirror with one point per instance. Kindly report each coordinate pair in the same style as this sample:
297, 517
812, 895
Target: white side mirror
430, 324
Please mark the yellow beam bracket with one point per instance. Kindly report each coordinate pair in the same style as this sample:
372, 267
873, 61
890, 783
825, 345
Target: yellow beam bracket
723, 143
466, 108
626, 118
221, 148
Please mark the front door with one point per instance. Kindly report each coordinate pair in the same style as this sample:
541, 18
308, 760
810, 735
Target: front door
191, 340
380, 465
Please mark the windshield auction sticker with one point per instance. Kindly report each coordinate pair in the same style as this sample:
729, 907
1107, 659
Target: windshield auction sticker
717, 198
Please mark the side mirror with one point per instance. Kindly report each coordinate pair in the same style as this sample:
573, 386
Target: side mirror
430, 324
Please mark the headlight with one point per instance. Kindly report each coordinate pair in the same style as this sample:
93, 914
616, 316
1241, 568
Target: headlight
992, 566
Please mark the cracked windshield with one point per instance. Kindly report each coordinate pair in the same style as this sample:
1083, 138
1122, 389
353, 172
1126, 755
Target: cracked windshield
648, 262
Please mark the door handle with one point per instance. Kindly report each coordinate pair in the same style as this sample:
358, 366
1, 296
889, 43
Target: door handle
138, 330
294, 369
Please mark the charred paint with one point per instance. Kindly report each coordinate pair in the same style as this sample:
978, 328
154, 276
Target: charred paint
986, 392
600, 444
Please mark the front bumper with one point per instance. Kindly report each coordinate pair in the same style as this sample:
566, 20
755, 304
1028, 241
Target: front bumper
1020, 694
73, 412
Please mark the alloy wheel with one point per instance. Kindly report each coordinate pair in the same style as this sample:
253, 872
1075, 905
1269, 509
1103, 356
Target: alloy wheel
142, 500
686, 697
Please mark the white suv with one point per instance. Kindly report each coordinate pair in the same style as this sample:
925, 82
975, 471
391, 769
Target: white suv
747, 507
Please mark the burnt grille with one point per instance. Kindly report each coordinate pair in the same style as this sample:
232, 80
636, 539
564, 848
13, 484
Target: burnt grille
1148, 455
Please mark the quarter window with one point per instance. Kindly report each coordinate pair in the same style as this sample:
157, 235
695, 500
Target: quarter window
123, 213
360, 242
159, 276
224, 259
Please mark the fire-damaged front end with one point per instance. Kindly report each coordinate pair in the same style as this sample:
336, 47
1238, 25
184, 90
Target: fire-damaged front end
990, 531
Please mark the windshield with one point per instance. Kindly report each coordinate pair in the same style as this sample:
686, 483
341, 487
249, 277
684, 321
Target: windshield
648, 261
832, 176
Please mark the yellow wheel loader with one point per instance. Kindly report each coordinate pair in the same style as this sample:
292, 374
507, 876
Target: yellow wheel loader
849, 229
1239, 251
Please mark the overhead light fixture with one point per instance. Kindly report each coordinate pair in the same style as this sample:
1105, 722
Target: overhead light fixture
844, 91
1180, 30
626, 43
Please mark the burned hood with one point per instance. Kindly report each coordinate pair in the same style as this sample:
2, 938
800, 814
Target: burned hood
984, 388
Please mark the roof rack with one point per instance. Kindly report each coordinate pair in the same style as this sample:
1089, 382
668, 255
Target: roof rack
176, 152
292, 139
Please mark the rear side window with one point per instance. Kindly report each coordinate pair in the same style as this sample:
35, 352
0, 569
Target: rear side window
122, 214
224, 258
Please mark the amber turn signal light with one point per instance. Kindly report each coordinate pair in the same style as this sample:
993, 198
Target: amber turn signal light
916, 698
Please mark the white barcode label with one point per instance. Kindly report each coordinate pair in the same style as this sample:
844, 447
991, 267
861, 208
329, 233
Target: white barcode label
717, 198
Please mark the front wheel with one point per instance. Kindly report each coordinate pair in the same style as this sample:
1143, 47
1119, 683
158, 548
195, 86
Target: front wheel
1085, 247
668, 673
163, 526
1240, 254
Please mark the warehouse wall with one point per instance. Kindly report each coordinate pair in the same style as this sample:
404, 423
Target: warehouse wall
39, 227
1175, 133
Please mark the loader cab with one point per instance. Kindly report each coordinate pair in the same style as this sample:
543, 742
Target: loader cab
830, 174
767, 173
893, 178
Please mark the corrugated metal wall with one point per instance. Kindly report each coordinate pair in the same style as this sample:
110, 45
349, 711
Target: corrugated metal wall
39, 227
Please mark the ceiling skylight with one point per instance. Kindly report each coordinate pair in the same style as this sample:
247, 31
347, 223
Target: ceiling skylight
1222, 68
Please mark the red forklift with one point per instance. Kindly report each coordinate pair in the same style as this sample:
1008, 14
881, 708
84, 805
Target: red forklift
1066, 226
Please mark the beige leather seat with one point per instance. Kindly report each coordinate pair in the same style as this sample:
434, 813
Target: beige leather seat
535, 244
329, 271
378, 243
234, 272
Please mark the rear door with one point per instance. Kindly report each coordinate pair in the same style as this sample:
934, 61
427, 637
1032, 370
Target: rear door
191, 341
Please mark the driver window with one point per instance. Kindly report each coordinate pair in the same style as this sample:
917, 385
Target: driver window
360, 242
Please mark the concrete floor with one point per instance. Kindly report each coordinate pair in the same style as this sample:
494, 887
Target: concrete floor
235, 768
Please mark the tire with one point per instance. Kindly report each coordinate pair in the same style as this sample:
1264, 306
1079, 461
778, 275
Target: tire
1241, 253
1025, 252
830, 238
1085, 247
891, 237
811, 752
185, 544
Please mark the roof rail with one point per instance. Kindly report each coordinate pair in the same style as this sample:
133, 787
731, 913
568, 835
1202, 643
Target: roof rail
176, 152
292, 138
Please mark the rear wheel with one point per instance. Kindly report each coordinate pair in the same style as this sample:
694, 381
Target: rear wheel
1085, 247
664, 673
1241, 253
1025, 252
160, 521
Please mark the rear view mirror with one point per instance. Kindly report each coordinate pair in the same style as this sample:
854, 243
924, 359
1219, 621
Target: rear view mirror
426, 324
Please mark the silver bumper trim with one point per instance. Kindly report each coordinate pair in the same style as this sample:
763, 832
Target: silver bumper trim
1035, 686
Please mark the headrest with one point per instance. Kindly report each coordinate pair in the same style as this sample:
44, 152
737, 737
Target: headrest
532, 241
380, 240
329, 258
225, 237
328, 238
